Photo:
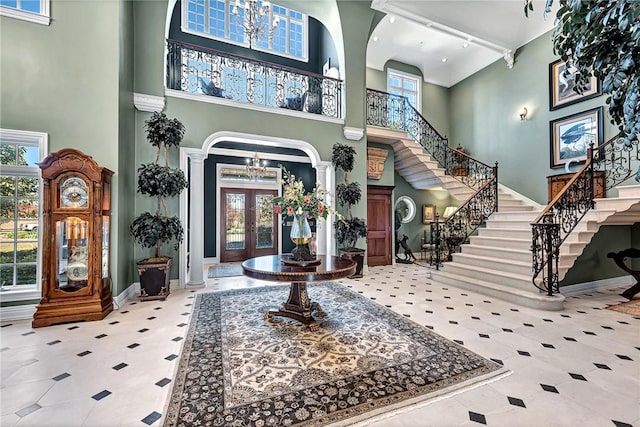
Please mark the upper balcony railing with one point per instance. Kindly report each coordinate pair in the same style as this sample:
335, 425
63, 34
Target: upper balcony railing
199, 70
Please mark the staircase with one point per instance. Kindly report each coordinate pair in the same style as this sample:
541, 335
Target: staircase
497, 260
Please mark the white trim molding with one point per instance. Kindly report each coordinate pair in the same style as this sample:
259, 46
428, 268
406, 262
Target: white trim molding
17, 312
37, 18
353, 134
596, 285
149, 103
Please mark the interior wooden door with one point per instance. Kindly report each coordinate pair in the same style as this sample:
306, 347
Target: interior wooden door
379, 225
244, 232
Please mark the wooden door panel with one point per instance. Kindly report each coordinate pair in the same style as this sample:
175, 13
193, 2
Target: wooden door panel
379, 226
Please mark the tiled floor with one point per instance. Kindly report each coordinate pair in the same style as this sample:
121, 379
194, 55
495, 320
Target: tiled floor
578, 367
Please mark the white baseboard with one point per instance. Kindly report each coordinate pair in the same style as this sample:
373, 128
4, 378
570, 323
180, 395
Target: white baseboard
587, 287
120, 299
17, 312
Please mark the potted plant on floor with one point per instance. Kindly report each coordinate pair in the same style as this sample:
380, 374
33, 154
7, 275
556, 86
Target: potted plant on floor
348, 229
154, 230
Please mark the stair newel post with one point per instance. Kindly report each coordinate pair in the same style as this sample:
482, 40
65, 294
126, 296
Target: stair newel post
550, 241
590, 174
495, 177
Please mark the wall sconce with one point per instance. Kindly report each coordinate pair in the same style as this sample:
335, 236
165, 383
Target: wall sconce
523, 114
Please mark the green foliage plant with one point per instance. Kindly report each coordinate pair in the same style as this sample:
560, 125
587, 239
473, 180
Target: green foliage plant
349, 228
603, 38
159, 180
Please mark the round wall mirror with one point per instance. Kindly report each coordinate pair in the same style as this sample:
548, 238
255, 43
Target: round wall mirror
405, 208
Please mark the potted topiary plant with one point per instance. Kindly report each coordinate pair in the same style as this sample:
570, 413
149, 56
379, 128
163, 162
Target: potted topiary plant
348, 229
153, 230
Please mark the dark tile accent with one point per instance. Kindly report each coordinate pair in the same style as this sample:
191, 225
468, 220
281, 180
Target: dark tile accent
185, 314
577, 377
469, 305
115, 322
163, 382
447, 297
29, 409
119, 366
428, 311
176, 339
483, 335
475, 317
143, 330
428, 327
151, 318
134, 345
124, 312
61, 376
589, 333
450, 308
182, 324
151, 418
407, 315
549, 388
478, 418
54, 342
498, 361
487, 302
621, 424
158, 308
496, 314
28, 333
101, 395
623, 357
565, 315
514, 309
459, 342
547, 345
623, 322
607, 327
171, 357
6, 324
528, 325
524, 353
101, 336
570, 339
548, 320
453, 322
73, 327
507, 330
516, 402
582, 312
84, 353
409, 302
602, 366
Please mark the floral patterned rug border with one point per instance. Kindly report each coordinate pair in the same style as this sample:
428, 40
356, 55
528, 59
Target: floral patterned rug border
198, 391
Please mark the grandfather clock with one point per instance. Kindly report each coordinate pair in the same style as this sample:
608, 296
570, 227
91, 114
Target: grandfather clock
76, 279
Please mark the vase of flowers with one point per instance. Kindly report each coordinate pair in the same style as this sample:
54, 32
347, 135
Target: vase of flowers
301, 206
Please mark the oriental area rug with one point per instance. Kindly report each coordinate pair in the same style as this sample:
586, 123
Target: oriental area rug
238, 369
630, 307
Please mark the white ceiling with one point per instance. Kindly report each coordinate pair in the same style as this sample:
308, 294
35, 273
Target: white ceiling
426, 31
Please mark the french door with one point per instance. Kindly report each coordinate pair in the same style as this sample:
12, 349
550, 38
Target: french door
245, 232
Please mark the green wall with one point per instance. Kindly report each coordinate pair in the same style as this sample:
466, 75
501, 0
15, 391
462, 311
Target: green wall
484, 118
65, 79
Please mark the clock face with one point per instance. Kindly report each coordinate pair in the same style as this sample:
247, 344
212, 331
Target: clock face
74, 193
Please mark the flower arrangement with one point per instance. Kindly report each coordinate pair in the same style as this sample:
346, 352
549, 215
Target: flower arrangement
294, 200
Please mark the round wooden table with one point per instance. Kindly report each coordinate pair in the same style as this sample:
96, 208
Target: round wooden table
298, 306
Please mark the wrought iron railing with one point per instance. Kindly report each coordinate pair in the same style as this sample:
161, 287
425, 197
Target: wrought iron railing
615, 160
396, 112
199, 70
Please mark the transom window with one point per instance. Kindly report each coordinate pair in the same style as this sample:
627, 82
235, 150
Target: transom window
20, 211
28, 10
404, 84
224, 20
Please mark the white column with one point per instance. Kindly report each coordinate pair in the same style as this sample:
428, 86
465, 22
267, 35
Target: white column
324, 228
196, 231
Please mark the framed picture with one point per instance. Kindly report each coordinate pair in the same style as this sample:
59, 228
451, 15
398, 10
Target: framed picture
428, 213
561, 84
571, 136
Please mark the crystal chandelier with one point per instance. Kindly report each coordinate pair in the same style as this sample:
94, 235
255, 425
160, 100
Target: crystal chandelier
256, 23
256, 168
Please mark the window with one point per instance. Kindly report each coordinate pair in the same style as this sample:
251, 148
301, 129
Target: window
399, 83
224, 20
20, 211
28, 10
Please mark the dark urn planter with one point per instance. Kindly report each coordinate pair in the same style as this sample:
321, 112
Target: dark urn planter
357, 255
155, 274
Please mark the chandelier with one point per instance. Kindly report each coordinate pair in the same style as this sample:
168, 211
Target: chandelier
256, 168
256, 23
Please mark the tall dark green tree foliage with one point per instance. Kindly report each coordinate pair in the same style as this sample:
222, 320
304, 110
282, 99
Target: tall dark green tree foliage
603, 37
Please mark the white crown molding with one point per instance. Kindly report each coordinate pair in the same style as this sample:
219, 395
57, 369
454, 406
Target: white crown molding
150, 103
354, 134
